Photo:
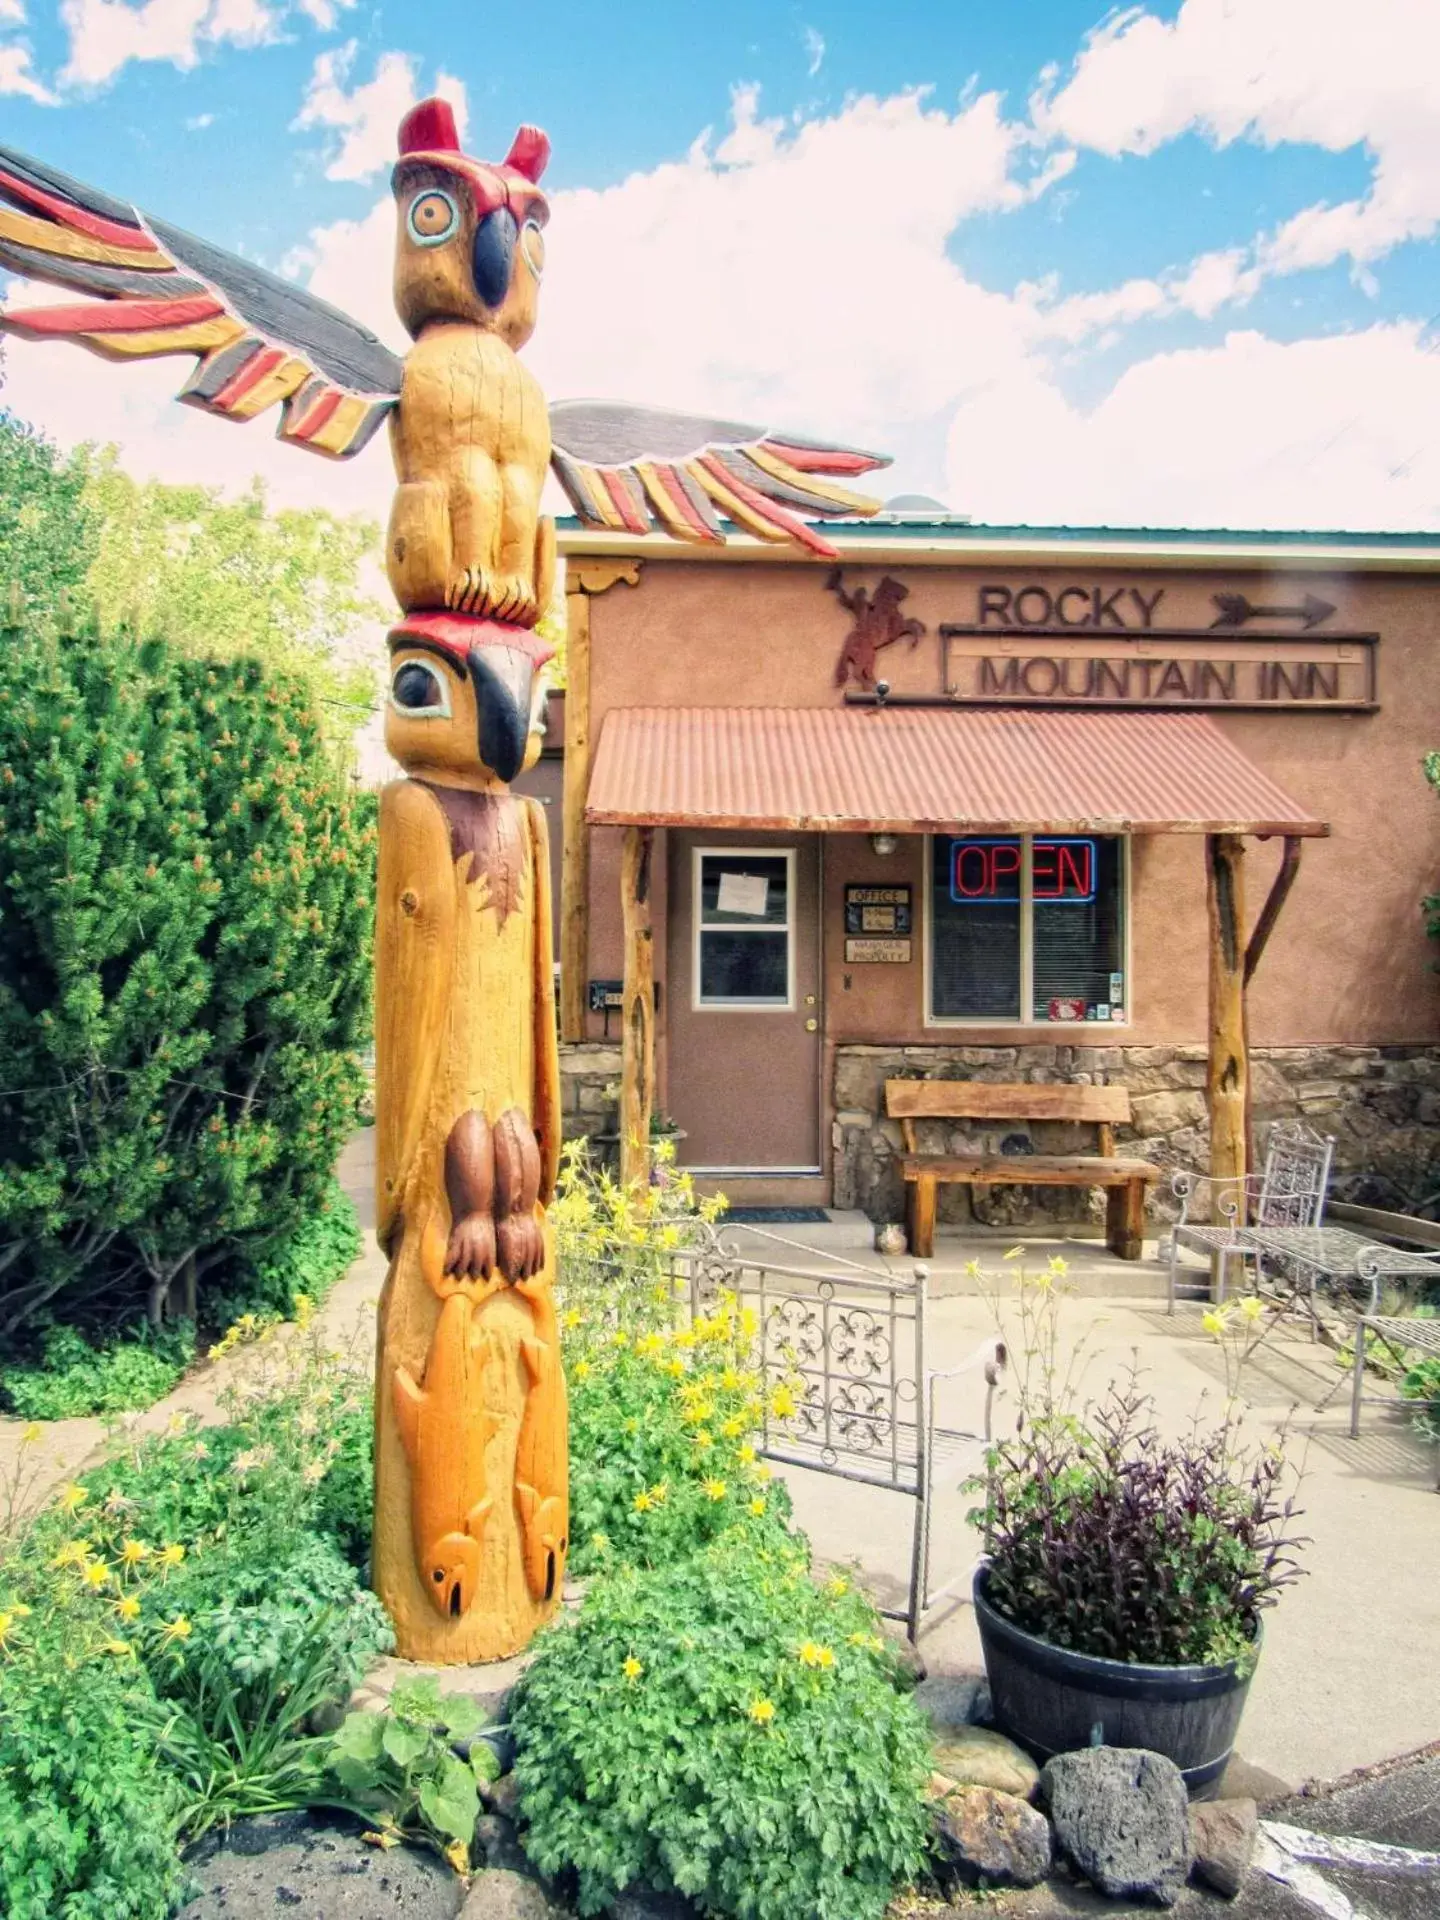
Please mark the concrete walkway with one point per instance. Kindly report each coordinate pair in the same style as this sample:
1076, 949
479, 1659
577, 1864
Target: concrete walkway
1350, 1673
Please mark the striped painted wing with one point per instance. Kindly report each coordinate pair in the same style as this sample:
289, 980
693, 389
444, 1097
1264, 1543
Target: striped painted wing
151, 289
638, 470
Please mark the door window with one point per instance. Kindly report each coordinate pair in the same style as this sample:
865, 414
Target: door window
743, 928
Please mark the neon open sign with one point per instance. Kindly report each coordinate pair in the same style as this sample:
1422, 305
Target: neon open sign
991, 870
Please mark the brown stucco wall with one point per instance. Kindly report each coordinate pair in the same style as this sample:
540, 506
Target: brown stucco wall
1348, 964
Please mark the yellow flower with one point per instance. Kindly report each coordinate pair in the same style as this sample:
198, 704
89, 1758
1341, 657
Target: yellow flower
782, 1403
304, 1310
73, 1554
30, 1433
600, 1542
972, 1269
176, 1423
733, 1428
570, 1319
670, 1237
458, 1854
1014, 1253
837, 1584
813, 1655
716, 1489
746, 1455
7, 1622
649, 1343
128, 1608
632, 1668
581, 1370
660, 1492
871, 1642
685, 1338
95, 1573
178, 1629
762, 1712
1251, 1308
171, 1556
1059, 1265
699, 1411
72, 1496
676, 1369
762, 1472
757, 1507
704, 1439
643, 1502
133, 1552
1213, 1321
731, 1379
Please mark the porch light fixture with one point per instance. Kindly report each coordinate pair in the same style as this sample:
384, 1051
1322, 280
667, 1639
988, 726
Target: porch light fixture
883, 843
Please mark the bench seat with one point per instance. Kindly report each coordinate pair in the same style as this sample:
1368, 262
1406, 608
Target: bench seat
1029, 1169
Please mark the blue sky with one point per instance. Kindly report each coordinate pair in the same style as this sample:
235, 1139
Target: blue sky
1173, 264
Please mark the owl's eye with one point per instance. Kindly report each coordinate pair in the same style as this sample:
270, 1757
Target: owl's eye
433, 217
532, 245
419, 691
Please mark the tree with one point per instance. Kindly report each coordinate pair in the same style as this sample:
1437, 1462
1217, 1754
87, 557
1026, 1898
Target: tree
47, 528
228, 577
185, 912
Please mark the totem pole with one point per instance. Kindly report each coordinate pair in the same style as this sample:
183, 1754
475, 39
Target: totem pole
471, 1471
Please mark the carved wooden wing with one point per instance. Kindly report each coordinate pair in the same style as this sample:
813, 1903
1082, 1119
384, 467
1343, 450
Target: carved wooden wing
153, 289
639, 469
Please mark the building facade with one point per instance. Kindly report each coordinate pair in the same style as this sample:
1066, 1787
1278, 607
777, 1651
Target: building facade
942, 810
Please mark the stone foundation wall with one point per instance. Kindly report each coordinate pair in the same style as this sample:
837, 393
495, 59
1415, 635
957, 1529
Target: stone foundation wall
589, 1088
1382, 1104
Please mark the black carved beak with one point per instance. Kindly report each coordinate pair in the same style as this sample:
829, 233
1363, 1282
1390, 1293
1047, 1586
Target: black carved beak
492, 257
502, 678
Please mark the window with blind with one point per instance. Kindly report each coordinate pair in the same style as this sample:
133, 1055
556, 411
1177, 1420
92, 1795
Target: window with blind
1027, 928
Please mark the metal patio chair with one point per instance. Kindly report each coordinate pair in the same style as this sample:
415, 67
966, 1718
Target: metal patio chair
1289, 1192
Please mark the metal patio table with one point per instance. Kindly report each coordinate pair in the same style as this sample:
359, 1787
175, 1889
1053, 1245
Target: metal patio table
1335, 1254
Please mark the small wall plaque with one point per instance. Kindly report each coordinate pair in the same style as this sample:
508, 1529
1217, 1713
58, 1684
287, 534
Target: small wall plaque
861, 950
877, 910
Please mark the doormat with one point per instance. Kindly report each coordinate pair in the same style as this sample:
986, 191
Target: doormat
777, 1216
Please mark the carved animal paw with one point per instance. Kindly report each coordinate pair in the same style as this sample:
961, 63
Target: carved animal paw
478, 592
470, 1251
520, 1246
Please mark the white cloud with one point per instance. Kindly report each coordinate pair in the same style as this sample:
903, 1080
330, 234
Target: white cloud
325, 12
1323, 73
197, 123
814, 50
106, 34
367, 116
16, 76
1338, 432
12, 13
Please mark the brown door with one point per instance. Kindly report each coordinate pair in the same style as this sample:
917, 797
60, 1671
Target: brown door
743, 1013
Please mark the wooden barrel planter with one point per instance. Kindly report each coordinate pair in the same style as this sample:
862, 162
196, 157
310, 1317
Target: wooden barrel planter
1051, 1700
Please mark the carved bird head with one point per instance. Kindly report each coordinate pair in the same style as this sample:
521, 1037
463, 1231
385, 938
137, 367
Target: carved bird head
467, 699
470, 244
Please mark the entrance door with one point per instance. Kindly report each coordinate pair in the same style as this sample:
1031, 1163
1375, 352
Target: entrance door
743, 1014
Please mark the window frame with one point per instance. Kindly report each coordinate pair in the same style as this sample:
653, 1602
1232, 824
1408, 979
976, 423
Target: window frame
1027, 940
698, 1001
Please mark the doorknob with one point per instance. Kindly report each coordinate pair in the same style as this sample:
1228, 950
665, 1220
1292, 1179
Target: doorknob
812, 1026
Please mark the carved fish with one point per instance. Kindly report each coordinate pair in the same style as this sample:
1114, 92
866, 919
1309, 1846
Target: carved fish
542, 1488
445, 1430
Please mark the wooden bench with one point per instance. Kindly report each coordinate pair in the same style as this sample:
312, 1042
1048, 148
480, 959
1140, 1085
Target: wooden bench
1125, 1181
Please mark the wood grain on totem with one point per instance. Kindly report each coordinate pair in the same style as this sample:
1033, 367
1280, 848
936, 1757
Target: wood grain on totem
462, 1000
988, 1100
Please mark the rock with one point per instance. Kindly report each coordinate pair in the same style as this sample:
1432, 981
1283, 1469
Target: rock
1222, 1839
979, 1757
502, 1796
311, 1864
954, 1701
489, 1685
494, 1841
1122, 1816
645, 1905
498, 1894
993, 1837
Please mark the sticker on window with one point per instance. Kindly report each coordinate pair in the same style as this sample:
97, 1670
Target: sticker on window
743, 893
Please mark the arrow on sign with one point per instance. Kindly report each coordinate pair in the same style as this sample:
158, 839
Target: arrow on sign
1236, 610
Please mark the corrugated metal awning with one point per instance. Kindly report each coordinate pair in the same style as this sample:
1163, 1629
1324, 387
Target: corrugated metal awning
908, 769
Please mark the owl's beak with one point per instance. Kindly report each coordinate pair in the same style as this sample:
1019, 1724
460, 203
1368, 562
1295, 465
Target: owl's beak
502, 678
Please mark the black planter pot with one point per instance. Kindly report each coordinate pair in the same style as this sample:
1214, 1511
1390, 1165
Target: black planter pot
1052, 1701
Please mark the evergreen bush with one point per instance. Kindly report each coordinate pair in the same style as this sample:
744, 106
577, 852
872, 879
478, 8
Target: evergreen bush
185, 903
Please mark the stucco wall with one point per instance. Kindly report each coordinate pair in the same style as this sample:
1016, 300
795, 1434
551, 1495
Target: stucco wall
1348, 965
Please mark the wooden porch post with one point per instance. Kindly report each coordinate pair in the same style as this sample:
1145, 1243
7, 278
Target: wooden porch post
1228, 1074
583, 580
637, 1043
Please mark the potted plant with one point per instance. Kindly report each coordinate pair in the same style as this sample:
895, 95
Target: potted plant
1125, 1574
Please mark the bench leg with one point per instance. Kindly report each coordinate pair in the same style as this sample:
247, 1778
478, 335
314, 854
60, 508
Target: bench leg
1125, 1220
920, 1215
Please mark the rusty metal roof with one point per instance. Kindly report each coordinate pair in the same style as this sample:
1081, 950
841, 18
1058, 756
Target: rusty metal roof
906, 769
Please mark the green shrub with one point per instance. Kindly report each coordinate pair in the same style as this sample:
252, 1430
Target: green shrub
87, 1814
184, 973
73, 1377
398, 1768
306, 1263
726, 1728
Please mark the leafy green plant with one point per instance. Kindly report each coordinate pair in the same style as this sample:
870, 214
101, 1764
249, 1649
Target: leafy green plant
305, 1264
399, 1768
727, 1728
184, 974
73, 1377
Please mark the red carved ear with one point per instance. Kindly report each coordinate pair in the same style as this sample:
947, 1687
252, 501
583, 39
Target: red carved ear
529, 153
429, 128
